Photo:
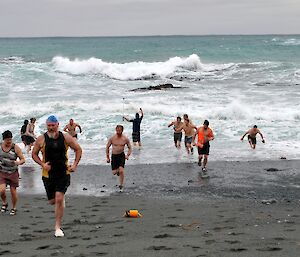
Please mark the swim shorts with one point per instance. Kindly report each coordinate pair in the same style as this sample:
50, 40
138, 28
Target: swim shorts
56, 184
204, 149
177, 137
136, 136
188, 140
252, 139
117, 160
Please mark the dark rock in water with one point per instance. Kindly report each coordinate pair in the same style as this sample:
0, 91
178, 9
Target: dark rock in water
158, 87
272, 170
84, 189
282, 158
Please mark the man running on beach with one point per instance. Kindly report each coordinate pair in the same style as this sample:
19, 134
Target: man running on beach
55, 169
9, 175
252, 136
118, 142
177, 134
71, 128
204, 134
136, 128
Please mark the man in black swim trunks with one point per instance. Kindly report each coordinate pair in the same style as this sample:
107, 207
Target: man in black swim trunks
118, 142
136, 127
252, 136
177, 134
55, 169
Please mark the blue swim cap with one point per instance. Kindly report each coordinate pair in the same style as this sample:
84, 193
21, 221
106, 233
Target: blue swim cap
52, 118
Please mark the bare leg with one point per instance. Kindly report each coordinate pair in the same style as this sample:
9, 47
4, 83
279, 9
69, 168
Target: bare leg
205, 161
14, 197
59, 209
3, 194
115, 172
121, 179
200, 160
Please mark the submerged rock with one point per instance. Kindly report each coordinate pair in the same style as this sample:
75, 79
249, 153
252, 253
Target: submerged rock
272, 169
158, 87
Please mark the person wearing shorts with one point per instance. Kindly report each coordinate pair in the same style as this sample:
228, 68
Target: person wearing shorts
118, 157
55, 169
136, 127
189, 131
177, 134
252, 136
205, 135
9, 175
71, 128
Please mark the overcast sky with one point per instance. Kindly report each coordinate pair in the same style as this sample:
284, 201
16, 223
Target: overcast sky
35, 18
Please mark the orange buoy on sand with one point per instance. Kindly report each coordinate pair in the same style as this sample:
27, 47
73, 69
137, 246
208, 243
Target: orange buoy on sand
132, 214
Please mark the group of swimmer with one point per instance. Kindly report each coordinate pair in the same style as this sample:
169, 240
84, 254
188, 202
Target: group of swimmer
54, 144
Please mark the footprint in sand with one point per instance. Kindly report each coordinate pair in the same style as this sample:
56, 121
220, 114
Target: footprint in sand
159, 248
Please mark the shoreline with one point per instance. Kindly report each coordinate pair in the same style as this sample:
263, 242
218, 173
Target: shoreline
250, 179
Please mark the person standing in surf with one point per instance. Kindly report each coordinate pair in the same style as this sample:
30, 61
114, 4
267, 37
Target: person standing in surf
136, 127
9, 175
23, 132
118, 157
29, 134
55, 169
71, 128
252, 136
177, 134
204, 134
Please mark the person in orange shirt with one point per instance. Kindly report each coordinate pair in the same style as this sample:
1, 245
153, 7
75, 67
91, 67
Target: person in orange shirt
204, 134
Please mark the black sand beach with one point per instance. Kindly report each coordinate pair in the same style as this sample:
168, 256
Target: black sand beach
243, 209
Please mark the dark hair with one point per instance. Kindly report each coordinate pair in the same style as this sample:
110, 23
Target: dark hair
254, 126
26, 122
178, 118
206, 122
137, 115
120, 126
6, 134
185, 116
32, 119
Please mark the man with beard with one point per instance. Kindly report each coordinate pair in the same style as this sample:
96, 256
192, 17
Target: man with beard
55, 169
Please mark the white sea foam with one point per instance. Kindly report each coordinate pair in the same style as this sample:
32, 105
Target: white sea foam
127, 71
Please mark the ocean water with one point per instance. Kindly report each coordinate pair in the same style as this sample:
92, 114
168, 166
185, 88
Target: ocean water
233, 81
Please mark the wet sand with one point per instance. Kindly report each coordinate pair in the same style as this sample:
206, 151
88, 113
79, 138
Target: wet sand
234, 213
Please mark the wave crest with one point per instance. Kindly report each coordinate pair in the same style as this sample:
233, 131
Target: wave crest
128, 71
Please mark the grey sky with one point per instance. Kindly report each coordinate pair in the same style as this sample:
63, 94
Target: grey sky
147, 17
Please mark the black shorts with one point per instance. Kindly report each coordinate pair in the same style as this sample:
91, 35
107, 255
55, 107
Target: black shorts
177, 137
136, 136
252, 139
59, 184
28, 140
117, 160
204, 149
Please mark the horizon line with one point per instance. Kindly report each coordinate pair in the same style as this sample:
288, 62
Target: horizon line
133, 36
